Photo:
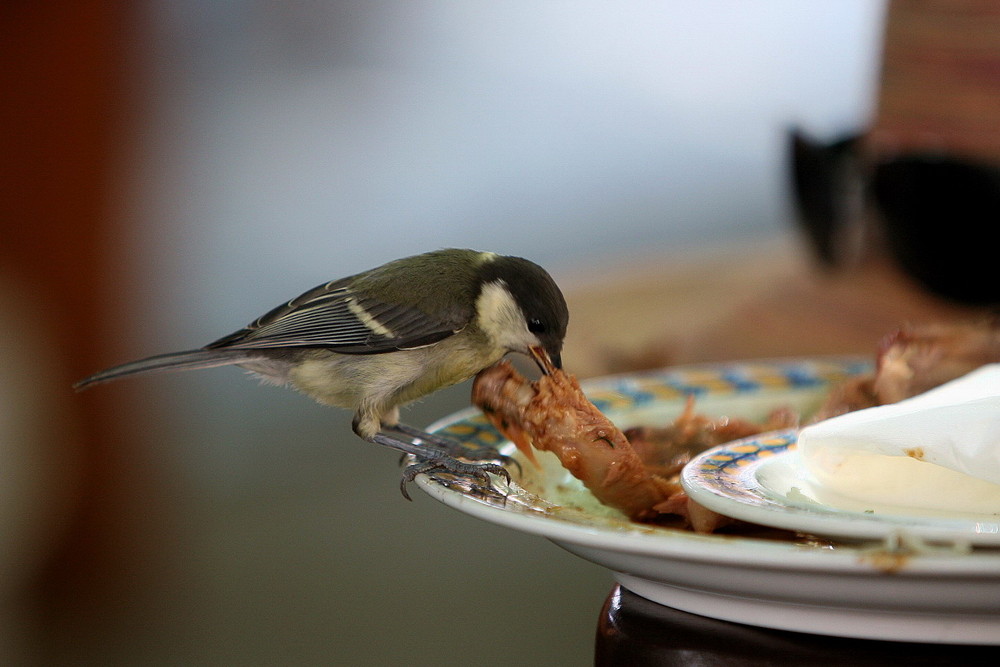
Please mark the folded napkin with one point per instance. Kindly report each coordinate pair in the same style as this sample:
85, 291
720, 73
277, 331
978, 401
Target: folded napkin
938, 451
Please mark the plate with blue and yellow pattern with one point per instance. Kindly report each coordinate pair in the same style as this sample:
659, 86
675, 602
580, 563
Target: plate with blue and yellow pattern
783, 579
762, 480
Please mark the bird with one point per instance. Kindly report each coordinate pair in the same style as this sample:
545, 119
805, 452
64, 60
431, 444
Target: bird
377, 340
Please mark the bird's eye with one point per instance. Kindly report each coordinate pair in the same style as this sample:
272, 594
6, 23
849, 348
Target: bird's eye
536, 326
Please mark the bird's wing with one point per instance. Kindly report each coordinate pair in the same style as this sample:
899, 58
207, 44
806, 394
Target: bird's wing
336, 317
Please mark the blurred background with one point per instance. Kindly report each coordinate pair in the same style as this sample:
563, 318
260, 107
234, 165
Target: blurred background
173, 169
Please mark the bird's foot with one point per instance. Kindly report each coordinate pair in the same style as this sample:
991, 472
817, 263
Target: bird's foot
444, 468
454, 474
456, 449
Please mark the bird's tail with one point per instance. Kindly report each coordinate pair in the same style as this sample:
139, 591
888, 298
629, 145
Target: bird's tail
174, 361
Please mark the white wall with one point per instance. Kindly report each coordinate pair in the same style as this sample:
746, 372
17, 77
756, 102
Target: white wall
283, 144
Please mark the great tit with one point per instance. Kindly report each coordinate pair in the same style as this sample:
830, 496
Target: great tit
377, 340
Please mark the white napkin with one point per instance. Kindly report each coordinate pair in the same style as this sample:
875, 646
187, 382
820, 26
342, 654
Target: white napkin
938, 451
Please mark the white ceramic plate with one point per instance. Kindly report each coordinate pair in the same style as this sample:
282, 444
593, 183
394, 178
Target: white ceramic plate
859, 589
762, 480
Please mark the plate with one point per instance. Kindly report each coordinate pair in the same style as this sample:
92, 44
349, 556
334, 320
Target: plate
762, 480
866, 589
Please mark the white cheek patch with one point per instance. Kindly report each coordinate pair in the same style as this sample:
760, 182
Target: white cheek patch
501, 318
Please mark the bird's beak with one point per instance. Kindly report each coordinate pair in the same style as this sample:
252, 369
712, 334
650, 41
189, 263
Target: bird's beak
548, 363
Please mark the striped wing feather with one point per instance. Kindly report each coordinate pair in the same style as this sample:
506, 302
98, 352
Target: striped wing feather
333, 316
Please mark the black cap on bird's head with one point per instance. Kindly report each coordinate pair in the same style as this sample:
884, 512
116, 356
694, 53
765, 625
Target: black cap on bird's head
540, 301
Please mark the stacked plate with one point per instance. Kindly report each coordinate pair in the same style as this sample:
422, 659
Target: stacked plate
880, 573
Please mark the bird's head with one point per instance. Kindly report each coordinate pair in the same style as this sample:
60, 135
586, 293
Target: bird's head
521, 308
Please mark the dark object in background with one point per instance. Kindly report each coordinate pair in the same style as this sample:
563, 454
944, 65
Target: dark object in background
940, 218
937, 216
826, 185
634, 631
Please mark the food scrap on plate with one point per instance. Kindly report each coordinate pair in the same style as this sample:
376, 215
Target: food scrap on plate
914, 359
637, 471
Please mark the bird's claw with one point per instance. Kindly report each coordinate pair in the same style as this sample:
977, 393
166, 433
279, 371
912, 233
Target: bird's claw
491, 454
438, 457
454, 449
446, 469
481, 454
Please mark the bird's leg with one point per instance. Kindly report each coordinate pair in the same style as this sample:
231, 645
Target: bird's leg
434, 462
453, 448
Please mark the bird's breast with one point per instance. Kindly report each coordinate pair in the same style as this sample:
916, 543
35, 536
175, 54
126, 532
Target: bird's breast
391, 378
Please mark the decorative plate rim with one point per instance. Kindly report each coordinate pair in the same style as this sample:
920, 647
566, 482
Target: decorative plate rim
725, 479
638, 539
